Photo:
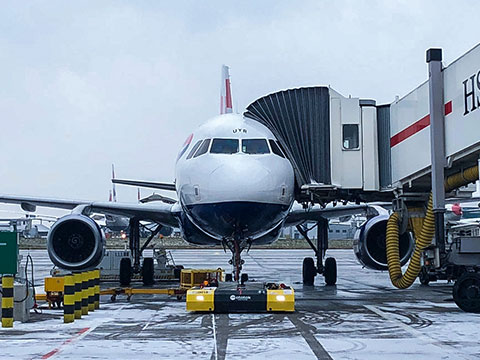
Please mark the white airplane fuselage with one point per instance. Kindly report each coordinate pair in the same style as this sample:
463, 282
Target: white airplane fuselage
234, 186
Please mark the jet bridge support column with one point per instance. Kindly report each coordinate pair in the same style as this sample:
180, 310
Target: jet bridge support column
437, 143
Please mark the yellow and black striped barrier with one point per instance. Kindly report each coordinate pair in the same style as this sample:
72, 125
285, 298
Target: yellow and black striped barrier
7, 301
85, 293
69, 299
78, 295
97, 289
91, 290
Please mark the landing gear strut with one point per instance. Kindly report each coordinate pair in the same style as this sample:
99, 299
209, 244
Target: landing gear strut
126, 267
236, 246
329, 270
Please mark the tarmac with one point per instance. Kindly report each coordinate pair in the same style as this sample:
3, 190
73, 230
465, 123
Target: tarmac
362, 317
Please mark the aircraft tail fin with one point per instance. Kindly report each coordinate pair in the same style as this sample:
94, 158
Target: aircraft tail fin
226, 92
114, 191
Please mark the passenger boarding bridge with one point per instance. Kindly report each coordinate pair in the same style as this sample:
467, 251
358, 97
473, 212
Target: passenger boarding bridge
355, 150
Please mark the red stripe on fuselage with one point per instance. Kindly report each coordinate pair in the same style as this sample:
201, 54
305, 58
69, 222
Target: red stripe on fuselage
416, 127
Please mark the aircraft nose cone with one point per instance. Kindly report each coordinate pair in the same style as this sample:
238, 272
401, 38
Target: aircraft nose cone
251, 179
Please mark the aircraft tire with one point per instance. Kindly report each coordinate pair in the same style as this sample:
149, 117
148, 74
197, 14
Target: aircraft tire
125, 271
228, 277
330, 271
148, 272
309, 271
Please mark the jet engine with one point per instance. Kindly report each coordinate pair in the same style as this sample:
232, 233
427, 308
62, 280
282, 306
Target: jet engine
75, 242
370, 244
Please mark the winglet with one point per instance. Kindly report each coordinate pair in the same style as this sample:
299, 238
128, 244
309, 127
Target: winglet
226, 92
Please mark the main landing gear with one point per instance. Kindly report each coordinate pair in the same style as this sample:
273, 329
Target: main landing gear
127, 269
310, 270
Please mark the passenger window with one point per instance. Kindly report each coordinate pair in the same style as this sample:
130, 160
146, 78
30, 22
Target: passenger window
203, 149
350, 137
255, 146
224, 146
275, 148
194, 149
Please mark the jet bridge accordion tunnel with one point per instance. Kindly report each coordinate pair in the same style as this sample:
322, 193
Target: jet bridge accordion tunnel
350, 149
330, 140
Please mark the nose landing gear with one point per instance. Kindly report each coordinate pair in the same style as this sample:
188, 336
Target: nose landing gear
236, 246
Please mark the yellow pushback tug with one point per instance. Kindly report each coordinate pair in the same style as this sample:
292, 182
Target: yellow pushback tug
230, 297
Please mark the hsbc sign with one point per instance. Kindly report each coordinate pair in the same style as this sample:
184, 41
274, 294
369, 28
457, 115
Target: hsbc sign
471, 92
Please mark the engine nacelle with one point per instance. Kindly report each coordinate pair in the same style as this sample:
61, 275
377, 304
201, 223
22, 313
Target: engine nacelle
370, 244
75, 242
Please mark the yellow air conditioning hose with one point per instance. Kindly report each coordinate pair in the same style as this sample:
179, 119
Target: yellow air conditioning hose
423, 239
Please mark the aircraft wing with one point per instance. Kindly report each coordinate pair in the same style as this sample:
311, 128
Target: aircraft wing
297, 217
146, 184
159, 212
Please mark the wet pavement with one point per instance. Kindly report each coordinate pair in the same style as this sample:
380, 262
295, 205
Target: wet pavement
362, 317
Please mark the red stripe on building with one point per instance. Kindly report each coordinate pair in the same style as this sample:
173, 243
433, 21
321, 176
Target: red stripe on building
409, 131
416, 127
448, 108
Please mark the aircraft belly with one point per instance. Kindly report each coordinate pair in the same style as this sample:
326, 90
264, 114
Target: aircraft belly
248, 219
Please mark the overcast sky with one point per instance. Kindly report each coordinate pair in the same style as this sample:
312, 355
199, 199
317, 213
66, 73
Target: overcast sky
89, 83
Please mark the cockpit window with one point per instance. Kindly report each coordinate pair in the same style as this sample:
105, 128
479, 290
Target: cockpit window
195, 147
224, 146
255, 146
203, 149
275, 148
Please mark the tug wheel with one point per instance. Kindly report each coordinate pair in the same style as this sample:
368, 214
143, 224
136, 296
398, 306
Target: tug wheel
466, 292
147, 271
308, 271
177, 271
423, 276
125, 271
330, 271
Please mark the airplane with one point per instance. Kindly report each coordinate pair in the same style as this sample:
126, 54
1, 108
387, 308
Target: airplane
235, 188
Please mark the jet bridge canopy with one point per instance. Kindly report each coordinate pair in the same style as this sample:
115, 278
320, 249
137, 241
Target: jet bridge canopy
300, 119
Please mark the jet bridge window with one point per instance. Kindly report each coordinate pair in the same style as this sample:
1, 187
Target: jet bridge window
224, 146
197, 145
350, 137
203, 149
275, 148
255, 146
